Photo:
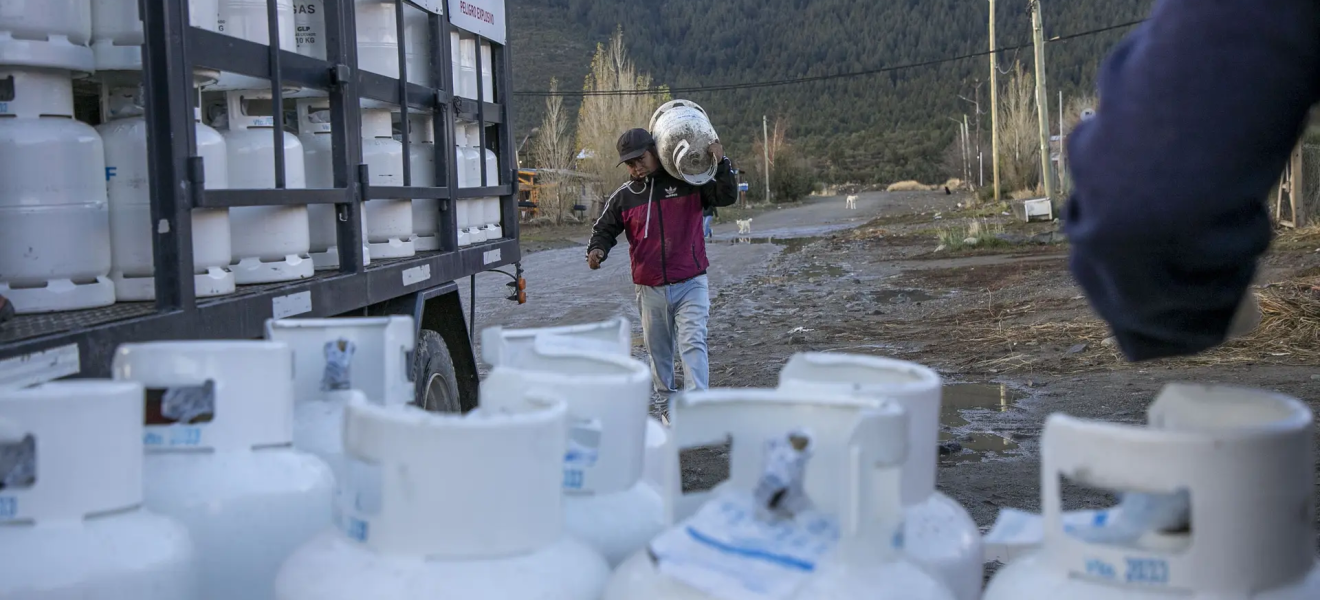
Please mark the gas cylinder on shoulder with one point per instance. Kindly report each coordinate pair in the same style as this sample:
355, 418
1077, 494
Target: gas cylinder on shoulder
1227, 487
484, 523
938, 532
811, 509
607, 503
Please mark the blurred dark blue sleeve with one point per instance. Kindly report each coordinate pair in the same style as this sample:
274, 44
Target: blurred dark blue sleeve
1198, 112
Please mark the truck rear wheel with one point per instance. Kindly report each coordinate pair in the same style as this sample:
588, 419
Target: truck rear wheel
434, 374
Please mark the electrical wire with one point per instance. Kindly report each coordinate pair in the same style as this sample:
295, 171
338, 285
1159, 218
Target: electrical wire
798, 80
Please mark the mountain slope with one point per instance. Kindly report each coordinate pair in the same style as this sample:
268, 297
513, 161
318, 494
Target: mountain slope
882, 127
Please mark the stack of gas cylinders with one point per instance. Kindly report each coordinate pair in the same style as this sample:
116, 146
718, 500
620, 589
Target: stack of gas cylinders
75, 200
299, 467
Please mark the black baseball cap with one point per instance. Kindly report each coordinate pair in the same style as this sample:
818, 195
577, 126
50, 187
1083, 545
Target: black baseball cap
634, 143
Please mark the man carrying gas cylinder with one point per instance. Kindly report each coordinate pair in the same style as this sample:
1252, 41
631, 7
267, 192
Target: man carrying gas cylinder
662, 217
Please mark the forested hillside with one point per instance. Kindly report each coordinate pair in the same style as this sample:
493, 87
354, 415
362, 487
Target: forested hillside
881, 127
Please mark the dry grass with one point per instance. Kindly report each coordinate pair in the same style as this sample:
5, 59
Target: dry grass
909, 186
1027, 194
953, 183
1306, 239
982, 231
1036, 335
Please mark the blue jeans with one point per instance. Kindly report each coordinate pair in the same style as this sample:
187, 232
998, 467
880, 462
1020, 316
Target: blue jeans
674, 318
705, 224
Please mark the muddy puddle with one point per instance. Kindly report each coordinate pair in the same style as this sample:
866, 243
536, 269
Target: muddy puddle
903, 297
819, 270
961, 446
790, 244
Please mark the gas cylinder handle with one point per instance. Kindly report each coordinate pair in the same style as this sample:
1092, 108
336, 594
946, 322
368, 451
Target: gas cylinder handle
877, 448
876, 434
680, 151
1234, 476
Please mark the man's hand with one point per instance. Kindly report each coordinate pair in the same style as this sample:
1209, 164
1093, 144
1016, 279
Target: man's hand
717, 150
1247, 317
594, 257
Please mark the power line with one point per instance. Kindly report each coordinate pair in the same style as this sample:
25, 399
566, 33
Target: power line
797, 80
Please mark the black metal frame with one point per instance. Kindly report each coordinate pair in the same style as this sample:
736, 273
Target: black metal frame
171, 51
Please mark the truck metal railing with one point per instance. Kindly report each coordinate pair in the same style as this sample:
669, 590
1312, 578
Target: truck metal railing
82, 342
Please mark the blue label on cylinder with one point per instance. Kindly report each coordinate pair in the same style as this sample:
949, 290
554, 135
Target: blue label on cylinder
8, 507
1151, 571
356, 529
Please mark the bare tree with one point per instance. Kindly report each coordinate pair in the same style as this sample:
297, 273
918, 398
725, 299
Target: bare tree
778, 145
603, 118
553, 153
1019, 144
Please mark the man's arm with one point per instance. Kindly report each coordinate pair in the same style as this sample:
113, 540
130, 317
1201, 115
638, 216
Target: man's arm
605, 233
723, 190
1199, 110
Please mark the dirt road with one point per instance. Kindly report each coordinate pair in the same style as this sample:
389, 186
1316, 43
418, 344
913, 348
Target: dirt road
1004, 321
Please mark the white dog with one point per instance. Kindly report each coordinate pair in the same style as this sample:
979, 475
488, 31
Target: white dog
851, 201
744, 226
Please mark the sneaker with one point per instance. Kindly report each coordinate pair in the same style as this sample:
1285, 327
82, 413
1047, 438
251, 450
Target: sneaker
6, 309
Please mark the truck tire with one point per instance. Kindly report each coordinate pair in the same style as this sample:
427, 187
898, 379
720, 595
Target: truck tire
434, 375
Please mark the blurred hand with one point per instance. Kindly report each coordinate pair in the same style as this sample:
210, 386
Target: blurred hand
1246, 318
594, 257
717, 150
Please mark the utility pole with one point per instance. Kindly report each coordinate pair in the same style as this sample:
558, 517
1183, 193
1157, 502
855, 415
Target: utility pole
980, 168
967, 151
1042, 101
765, 146
1063, 172
962, 140
994, 102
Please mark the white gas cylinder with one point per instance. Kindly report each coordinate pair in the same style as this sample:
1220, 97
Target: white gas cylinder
421, 156
219, 457
46, 33
606, 501
71, 518
487, 73
456, 71
335, 359
467, 67
938, 532
117, 31
483, 524
377, 39
246, 19
131, 228
475, 230
469, 160
1244, 459
389, 220
503, 346
492, 161
270, 243
464, 214
811, 510
683, 136
54, 218
491, 209
417, 34
314, 131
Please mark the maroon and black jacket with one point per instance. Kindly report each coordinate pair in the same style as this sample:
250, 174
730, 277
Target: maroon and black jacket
662, 217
